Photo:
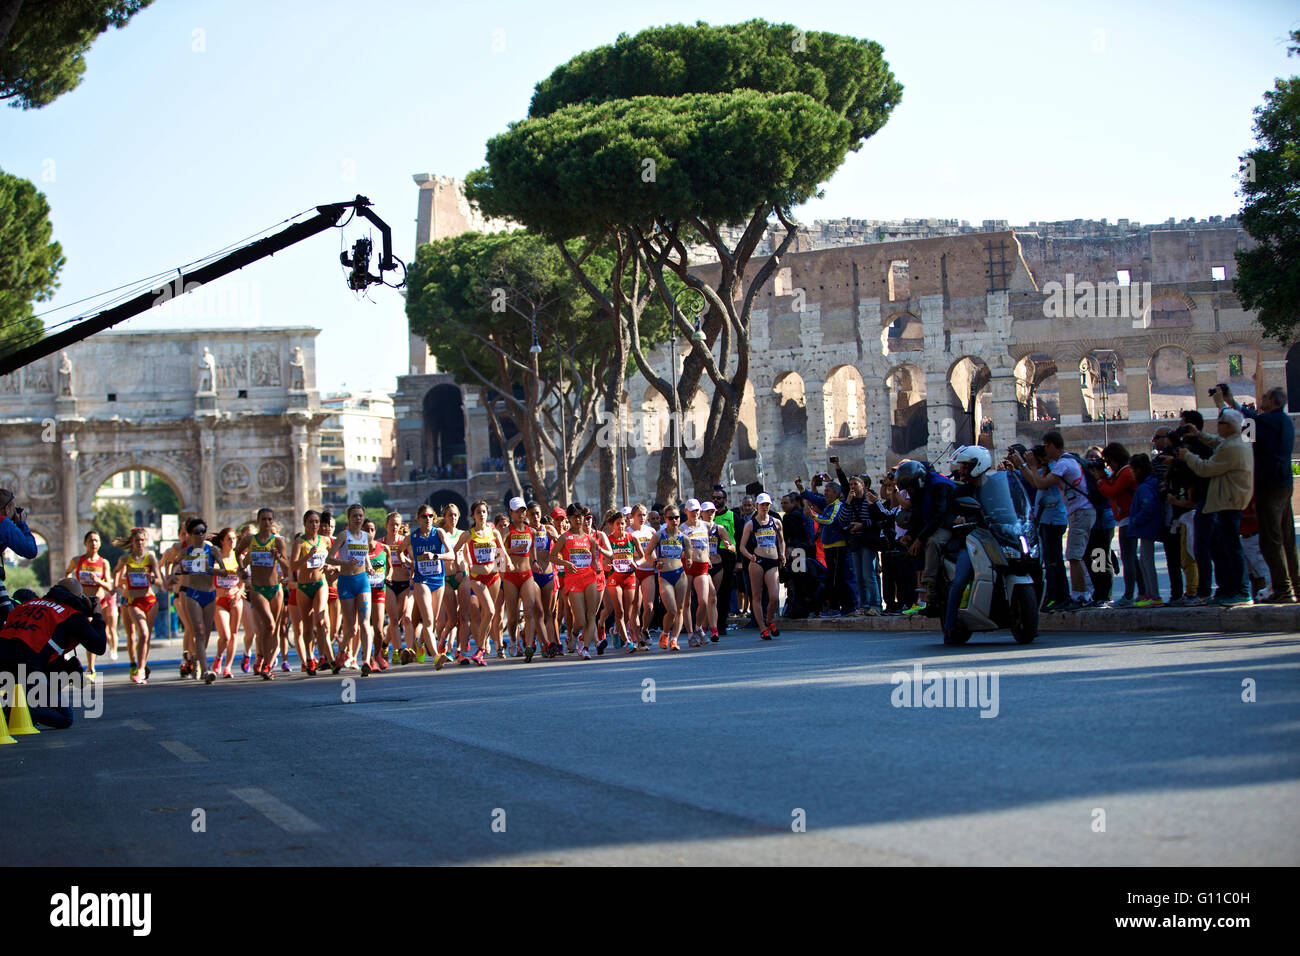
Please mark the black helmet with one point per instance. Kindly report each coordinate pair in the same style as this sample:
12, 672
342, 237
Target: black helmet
910, 473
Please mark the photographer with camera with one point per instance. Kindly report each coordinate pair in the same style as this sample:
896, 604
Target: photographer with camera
864, 546
1231, 470
39, 637
1177, 487
827, 513
1273, 446
14, 536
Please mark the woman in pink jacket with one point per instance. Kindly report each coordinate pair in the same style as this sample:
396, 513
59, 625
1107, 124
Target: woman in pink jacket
1119, 485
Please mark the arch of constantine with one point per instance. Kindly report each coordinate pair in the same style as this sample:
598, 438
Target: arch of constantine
228, 417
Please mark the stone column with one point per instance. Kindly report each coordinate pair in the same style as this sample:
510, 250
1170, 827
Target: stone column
1138, 383
941, 414
1205, 368
1071, 400
814, 398
877, 399
207, 474
1271, 374
301, 500
71, 525
1002, 390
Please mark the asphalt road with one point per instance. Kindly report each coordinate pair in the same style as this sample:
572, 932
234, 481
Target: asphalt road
569, 762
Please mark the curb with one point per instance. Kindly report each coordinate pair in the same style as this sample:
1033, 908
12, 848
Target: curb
1224, 620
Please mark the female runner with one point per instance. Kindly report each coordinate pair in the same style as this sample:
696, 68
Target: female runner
719, 541
141, 572
544, 577
517, 585
377, 572
764, 534
672, 553
484, 543
96, 581
266, 563
308, 566
398, 596
698, 533
198, 563
576, 551
621, 582
639, 528
426, 549
230, 599
351, 555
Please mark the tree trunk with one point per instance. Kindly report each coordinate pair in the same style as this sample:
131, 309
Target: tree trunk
8, 17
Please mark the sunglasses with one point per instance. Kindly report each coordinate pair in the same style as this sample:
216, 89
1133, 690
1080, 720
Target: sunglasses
670, 517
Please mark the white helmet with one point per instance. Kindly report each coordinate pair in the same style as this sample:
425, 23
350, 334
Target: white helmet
978, 456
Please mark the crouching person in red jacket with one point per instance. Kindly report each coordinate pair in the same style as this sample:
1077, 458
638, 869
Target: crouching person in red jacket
40, 636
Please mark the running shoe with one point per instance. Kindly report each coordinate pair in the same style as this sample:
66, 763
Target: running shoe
601, 645
136, 678
112, 650
766, 636
694, 641
439, 661
267, 674
419, 655
365, 669
209, 676
1240, 600
1148, 602
909, 612
528, 654
461, 659
631, 647
257, 664
672, 646
244, 664
146, 671
284, 666
775, 630
226, 672
92, 676
584, 653
478, 659
135, 672
713, 636
392, 655
382, 662
663, 640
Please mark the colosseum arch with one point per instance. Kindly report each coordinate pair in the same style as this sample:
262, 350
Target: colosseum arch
908, 416
1171, 381
1239, 369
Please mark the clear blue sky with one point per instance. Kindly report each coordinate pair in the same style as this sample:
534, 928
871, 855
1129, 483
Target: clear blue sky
179, 142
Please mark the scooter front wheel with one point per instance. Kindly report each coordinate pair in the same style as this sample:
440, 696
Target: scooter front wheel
1024, 613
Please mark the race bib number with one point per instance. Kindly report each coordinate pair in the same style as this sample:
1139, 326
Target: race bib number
622, 565
519, 545
427, 568
316, 560
137, 579
699, 544
227, 580
358, 555
86, 577
766, 538
667, 550
376, 580
581, 559
263, 559
713, 547
484, 555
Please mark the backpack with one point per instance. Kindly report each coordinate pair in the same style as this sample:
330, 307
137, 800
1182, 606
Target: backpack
1095, 495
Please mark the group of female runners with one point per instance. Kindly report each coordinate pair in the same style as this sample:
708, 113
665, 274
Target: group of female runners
528, 582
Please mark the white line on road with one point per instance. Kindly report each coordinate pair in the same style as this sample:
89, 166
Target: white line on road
278, 812
138, 724
181, 752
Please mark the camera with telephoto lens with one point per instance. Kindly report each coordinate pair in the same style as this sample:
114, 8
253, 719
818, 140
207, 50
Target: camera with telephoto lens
1221, 388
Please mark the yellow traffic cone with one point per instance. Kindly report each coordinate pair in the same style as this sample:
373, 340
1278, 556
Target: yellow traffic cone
4, 730
20, 718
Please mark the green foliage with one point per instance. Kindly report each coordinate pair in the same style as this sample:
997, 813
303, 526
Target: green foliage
379, 516
375, 497
29, 261
732, 117
162, 496
20, 577
113, 520
44, 55
1268, 276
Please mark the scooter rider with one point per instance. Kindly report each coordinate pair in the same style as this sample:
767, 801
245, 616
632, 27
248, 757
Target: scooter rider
930, 518
972, 462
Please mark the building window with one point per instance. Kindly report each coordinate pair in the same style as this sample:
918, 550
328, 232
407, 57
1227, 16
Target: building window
784, 284
1234, 365
1189, 369
1123, 277
1218, 273
899, 280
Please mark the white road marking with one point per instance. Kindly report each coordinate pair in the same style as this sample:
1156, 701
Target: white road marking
278, 812
181, 752
138, 724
